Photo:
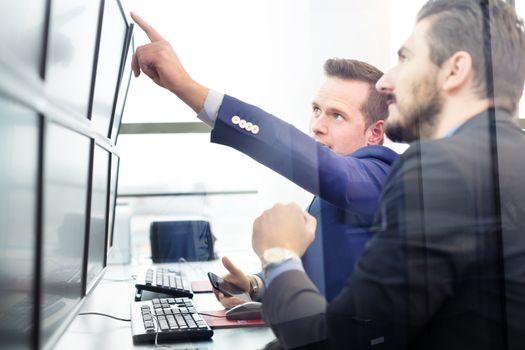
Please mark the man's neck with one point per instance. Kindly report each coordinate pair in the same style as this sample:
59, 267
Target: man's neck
457, 112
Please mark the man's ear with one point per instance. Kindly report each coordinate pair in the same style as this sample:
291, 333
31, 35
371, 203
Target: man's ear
375, 133
456, 72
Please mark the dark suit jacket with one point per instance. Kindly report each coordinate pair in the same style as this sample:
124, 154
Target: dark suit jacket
347, 188
446, 266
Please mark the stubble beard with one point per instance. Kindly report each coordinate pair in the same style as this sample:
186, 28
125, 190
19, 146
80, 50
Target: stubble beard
417, 120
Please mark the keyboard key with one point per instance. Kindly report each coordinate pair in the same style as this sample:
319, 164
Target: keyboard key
163, 323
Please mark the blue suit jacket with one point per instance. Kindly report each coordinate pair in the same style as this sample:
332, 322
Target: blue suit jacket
346, 188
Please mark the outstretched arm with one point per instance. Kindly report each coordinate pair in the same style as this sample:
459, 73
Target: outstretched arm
353, 183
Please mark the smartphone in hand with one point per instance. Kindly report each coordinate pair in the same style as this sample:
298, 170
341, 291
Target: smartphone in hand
227, 288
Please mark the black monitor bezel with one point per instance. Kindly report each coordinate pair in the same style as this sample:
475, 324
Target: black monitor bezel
125, 45
38, 271
115, 125
112, 203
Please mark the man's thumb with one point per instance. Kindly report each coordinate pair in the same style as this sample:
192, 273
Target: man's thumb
234, 270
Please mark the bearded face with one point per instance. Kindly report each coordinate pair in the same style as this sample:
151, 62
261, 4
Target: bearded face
418, 108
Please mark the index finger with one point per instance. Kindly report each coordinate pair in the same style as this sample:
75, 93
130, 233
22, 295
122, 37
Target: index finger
152, 34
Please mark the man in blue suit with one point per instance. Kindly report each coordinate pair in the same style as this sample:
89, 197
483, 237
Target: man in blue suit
345, 169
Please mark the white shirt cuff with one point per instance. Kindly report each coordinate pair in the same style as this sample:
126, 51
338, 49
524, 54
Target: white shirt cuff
212, 104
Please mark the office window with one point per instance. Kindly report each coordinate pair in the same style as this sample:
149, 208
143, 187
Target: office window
182, 163
19, 136
271, 55
66, 166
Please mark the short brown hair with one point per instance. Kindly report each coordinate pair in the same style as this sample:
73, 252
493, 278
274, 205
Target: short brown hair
375, 108
493, 35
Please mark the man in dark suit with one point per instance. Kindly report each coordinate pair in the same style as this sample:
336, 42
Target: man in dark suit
445, 268
345, 169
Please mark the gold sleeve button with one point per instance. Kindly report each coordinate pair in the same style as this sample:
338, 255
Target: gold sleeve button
236, 119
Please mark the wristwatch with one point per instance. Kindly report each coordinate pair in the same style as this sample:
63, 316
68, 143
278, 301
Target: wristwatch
277, 255
254, 287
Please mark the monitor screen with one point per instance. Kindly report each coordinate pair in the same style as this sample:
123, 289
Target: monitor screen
115, 161
71, 52
124, 85
66, 174
98, 220
22, 34
112, 43
19, 135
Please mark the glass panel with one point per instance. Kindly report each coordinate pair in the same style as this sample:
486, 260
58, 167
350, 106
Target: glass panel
18, 189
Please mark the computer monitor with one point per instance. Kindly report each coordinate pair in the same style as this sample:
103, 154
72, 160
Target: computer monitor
115, 162
71, 53
64, 206
124, 84
98, 217
22, 34
19, 145
113, 40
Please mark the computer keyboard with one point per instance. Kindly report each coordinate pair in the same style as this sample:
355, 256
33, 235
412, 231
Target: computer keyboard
164, 280
167, 319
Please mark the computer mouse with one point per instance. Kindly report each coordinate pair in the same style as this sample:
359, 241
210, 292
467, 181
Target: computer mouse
251, 310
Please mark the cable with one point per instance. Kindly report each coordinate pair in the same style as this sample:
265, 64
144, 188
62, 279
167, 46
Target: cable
105, 315
205, 314
158, 330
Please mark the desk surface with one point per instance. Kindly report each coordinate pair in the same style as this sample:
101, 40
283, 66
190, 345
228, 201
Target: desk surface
113, 295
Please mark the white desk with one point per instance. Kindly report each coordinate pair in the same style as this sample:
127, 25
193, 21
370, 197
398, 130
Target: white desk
114, 297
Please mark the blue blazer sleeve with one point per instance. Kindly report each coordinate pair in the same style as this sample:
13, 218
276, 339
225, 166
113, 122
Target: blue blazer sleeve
352, 182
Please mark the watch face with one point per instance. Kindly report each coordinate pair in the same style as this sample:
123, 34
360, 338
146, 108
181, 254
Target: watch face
274, 255
277, 255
